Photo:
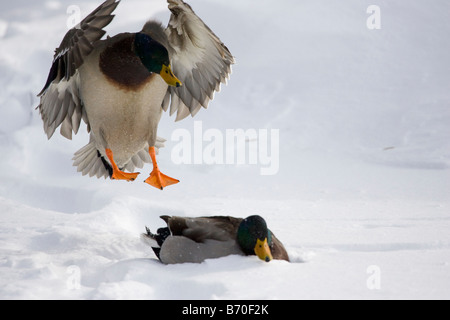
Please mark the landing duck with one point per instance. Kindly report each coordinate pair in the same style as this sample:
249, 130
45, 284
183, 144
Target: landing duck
193, 240
119, 87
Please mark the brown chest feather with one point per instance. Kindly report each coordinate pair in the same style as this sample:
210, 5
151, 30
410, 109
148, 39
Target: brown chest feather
122, 66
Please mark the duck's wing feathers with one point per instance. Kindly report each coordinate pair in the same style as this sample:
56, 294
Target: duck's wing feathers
60, 101
204, 228
199, 59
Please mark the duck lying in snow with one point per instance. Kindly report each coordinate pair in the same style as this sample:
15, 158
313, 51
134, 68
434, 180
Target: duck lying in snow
194, 240
120, 86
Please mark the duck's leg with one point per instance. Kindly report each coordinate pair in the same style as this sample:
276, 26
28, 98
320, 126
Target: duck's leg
157, 179
117, 173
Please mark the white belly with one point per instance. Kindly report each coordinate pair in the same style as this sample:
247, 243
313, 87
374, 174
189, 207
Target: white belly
122, 120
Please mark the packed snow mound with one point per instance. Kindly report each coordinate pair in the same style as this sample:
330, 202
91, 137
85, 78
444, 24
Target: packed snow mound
361, 195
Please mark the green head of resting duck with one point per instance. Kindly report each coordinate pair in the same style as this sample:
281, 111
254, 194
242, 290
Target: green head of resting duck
255, 238
155, 57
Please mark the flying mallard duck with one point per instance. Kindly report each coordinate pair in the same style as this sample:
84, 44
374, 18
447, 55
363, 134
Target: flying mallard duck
120, 86
197, 239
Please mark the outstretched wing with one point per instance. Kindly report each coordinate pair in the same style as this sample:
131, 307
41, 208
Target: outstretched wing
60, 101
199, 59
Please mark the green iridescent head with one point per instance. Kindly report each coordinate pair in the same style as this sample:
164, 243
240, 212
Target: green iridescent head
155, 57
255, 238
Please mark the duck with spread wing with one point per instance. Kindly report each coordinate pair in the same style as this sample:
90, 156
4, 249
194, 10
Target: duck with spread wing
119, 87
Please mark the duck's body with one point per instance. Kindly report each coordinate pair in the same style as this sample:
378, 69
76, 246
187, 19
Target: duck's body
120, 86
193, 240
124, 116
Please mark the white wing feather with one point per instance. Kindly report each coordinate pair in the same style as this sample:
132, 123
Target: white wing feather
199, 59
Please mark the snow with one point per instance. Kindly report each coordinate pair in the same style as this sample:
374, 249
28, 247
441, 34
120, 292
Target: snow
361, 199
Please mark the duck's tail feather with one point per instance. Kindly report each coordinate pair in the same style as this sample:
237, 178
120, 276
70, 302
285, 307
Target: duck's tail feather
150, 239
89, 160
155, 241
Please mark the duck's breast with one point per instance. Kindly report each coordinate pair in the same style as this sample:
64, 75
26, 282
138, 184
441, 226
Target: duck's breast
123, 112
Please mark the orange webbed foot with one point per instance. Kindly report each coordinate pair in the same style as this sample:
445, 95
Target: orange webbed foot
120, 175
117, 173
158, 179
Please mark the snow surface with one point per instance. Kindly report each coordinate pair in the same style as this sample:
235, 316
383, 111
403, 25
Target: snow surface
361, 198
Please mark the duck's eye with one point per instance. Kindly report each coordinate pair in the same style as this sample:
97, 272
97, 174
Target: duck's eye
167, 71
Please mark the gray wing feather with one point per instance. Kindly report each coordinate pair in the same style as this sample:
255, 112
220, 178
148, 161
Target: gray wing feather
199, 59
60, 102
203, 228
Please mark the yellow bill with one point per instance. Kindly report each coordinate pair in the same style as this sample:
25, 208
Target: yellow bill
262, 250
168, 76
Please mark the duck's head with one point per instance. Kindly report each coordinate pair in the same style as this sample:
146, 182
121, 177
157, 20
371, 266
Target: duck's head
155, 58
255, 238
